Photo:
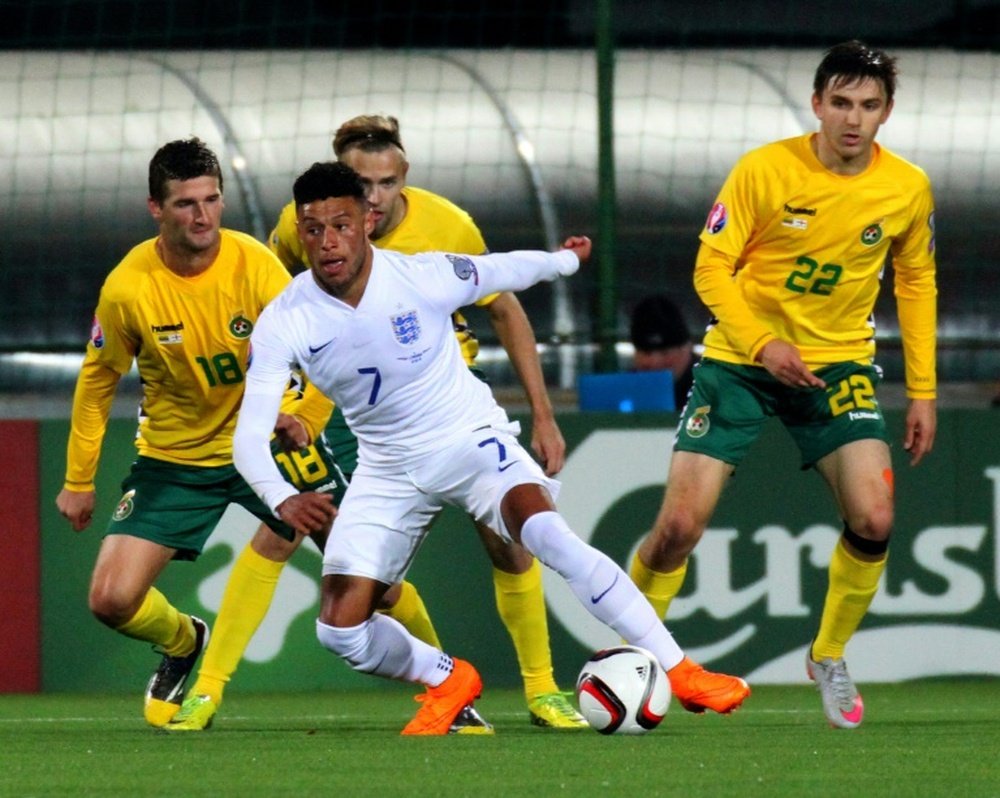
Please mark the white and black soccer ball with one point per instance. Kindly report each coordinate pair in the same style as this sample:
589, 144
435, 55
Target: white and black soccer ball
623, 690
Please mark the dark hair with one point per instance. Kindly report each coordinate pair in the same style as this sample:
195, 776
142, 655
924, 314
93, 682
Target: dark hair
326, 179
368, 133
849, 62
657, 323
184, 159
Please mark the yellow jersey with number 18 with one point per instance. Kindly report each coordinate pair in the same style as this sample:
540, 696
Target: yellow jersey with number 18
810, 248
190, 339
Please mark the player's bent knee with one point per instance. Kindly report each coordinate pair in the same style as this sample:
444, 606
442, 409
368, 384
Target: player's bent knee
522, 502
680, 523
880, 522
875, 524
549, 538
677, 530
111, 609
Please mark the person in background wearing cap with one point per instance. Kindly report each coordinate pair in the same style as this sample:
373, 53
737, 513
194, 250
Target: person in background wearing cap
663, 343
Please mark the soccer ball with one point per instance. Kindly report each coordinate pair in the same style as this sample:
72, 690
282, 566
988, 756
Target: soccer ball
623, 690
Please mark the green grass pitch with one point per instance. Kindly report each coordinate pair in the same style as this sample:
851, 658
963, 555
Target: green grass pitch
925, 738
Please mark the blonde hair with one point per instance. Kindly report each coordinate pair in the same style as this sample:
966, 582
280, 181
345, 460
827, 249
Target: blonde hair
368, 133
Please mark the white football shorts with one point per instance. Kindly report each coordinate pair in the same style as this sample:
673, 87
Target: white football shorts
388, 509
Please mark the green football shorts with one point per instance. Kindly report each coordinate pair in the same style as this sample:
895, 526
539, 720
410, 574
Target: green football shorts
179, 505
729, 405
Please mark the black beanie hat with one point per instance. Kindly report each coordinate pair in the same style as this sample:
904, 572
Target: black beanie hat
657, 323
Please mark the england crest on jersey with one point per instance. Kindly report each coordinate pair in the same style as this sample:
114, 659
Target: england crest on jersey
406, 327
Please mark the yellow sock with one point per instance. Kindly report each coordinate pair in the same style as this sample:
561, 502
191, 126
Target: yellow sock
853, 584
158, 622
659, 588
521, 605
412, 613
245, 602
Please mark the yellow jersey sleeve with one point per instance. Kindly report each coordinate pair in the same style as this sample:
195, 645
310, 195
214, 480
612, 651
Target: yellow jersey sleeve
312, 408
713, 280
915, 287
109, 355
92, 399
284, 241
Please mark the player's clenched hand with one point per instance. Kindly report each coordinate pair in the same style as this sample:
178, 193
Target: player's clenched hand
77, 507
784, 363
921, 426
291, 432
581, 245
308, 512
548, 444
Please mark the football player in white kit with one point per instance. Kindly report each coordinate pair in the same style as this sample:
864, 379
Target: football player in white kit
372, 330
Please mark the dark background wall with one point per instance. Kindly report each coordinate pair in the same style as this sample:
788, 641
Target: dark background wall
64, 124
518, 23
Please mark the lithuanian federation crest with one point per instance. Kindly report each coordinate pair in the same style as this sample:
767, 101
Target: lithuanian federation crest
871, 235
125, 506
406, 327
698, 424
240, 326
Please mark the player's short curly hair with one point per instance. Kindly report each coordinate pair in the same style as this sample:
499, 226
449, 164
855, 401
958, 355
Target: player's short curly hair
849, 62
184, 159
326, 179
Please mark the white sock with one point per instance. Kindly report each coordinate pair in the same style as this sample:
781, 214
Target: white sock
382, 646
603, 588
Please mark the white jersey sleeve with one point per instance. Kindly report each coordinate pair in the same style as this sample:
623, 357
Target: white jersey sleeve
480, 276
266, 380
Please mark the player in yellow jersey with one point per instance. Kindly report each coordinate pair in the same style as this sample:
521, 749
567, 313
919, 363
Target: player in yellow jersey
790, 265
412, 220
182, 307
